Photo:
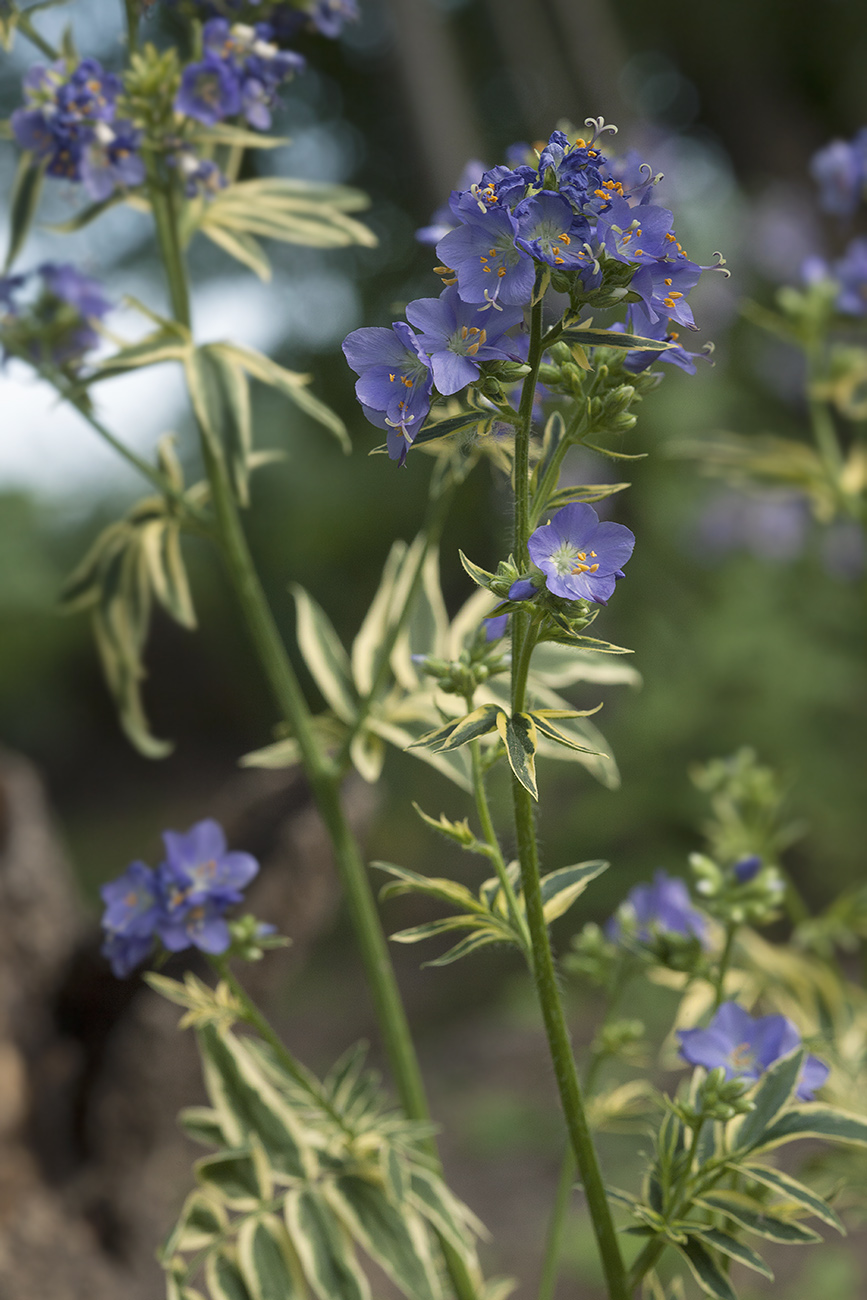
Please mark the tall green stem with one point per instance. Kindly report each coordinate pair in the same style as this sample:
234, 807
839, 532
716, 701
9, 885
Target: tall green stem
556, 1030
322, 774
493, 843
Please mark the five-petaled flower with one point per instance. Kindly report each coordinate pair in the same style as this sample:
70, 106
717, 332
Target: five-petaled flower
457, 335
746, 1046
395, 381
661, 908
580, 557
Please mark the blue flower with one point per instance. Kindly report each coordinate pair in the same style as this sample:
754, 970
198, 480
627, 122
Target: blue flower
199, 866
638, 322
183, 903
69, 121
331, 16
482, 252
661, 908
209, 91
453, 334
746, 869
840, 171
395, 381
635, 234
580, 557
129, 920
496, 627
58, 325
745, 1047
549, 231
663, 286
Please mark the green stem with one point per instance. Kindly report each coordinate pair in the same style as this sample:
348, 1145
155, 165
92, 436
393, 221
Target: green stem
522, 439
552, 469
26, 28
724, 961
132, 22
557, 1226
324, 778
556, 1030
493, 843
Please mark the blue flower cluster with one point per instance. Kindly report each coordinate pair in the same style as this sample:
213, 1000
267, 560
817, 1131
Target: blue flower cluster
746, 1046
70, 120
241, 71
850, 274
840, 171
182, 904
328, 17
586, 220
49, 315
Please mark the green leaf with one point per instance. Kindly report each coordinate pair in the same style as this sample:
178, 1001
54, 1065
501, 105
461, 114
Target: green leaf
458, 831
794, 1191
587, 492
283, 753
23, 202
561, 888
292, 385
770, 1097
546, 727
202, 1124
86, 215
232, 1176
411, 882
155, 348
322, 1246
248, 1104
243, 248
221, 398
481, 939
224, 1278
264, 1260
480, 576
706, 1271
815, 1120
593, 338
367, 752
451, 763
455, 424
367, 648
518, 734
473, 725
735, 1249
324, 655
383, 1231
754, 1216
202, 1222
430, 929
160, 541
450, 1218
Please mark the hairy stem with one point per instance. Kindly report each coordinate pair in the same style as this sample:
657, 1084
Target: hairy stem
493, 843
556, 1030
322, 774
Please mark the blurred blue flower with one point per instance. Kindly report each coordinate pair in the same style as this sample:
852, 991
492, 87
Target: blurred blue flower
199, 867
663, 907
55, 323
241, 72
69, 121
747, 869
443, 219
745, 1047
129, 920
840, 171
580, 557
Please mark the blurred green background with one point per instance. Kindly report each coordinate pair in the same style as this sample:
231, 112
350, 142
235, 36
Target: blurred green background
737, 645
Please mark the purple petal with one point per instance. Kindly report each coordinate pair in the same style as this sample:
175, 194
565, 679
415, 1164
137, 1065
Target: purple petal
451, 372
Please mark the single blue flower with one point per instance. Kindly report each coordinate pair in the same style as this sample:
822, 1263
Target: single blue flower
496, 627
747, 869
576, 168
482, 252
199, 867
457, 335
634, 234
395, 381
663, 286
550, 231
111, 159
840, 171
638, 322
850, 271
745, 1047
209, 91
130, 918
663, 908
201, 926
580, 557
71, 286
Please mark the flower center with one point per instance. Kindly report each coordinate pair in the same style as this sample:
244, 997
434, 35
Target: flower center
467, 340
567, 559
742, 1057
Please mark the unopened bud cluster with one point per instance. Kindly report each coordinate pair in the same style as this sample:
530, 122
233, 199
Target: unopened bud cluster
716, 1098
749, 892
